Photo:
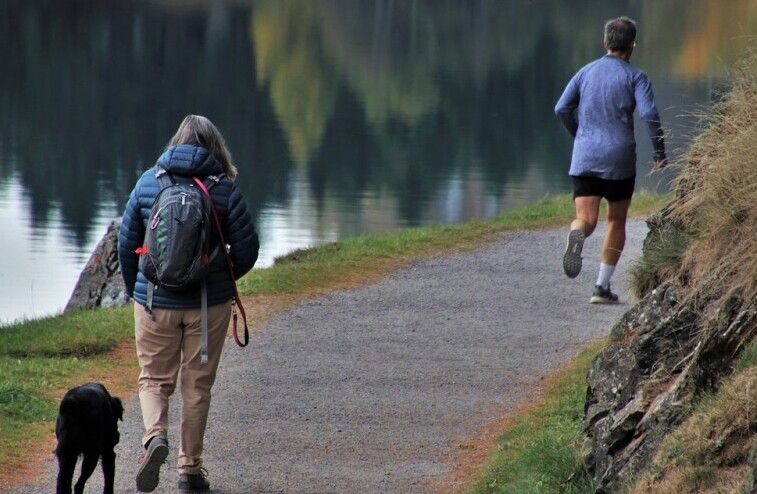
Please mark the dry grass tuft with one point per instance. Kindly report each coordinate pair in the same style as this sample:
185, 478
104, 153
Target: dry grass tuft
717, 187
710, 452
711, 246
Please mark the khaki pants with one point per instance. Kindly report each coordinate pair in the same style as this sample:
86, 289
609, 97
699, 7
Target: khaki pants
167, 343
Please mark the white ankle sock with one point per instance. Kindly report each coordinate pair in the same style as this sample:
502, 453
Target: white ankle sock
605, 273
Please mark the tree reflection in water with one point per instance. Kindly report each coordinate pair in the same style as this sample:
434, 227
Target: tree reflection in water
347, 115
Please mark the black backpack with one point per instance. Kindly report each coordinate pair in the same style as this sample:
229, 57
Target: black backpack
176, 253
177, 250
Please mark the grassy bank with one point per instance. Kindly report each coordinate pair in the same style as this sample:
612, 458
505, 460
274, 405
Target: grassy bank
539, 453
40, 359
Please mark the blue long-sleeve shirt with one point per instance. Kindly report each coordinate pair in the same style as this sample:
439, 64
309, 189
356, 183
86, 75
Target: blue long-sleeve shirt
597, 109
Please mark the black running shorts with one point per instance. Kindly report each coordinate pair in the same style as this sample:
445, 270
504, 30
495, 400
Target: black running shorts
612, 190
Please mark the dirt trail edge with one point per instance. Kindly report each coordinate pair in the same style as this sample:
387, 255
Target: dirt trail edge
371, 390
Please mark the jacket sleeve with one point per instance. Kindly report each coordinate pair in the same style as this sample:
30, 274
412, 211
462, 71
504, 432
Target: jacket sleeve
131, 234
241, 234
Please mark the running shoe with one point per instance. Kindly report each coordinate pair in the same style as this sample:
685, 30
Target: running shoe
571, 261
603, 296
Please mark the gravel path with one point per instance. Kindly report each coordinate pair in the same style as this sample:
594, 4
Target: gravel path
371, 390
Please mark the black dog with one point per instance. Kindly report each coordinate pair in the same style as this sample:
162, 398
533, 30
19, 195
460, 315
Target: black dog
87, 426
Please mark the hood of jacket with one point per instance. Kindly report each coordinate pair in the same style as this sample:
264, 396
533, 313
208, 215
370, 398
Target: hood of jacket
189, 160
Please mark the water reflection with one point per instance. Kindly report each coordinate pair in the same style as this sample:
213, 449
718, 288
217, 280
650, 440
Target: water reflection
39, 264
345, 116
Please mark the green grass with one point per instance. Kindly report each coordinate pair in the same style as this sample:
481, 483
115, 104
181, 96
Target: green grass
540, 451
23, 399
29, 392
40, 359
76, 334
660, 261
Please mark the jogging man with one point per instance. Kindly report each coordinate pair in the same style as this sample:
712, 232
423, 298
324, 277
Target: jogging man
597, 110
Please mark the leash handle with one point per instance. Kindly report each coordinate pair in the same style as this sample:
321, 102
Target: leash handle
236, 301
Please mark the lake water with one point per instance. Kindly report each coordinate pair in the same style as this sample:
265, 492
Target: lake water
344, 116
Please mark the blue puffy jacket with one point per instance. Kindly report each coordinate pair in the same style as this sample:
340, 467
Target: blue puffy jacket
184, 162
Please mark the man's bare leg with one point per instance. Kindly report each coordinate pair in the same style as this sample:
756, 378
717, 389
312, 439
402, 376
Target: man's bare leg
612, 247
615, 238
587, 214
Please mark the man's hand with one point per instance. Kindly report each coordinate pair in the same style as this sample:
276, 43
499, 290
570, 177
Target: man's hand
657, 164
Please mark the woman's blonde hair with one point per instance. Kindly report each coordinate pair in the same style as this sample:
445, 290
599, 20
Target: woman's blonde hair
197, 130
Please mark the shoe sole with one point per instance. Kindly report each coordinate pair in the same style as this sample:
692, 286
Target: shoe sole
187, 490
193, 490
186, 487
602, 300
572, 261
148, 475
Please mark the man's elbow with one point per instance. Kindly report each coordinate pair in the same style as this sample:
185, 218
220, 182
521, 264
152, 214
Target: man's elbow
652, 117
565, 115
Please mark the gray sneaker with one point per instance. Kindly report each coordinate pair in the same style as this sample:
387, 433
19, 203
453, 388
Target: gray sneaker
571, 261
602, 296
148, 474
196, 482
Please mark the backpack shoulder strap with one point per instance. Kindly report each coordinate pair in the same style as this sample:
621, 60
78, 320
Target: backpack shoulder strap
212, 180
165, 179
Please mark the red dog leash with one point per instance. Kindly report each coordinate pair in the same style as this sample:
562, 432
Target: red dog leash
237, 301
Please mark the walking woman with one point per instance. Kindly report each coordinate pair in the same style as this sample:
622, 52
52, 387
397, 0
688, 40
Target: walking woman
168, 323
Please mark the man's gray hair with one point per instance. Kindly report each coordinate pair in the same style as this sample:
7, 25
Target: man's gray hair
620, 34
